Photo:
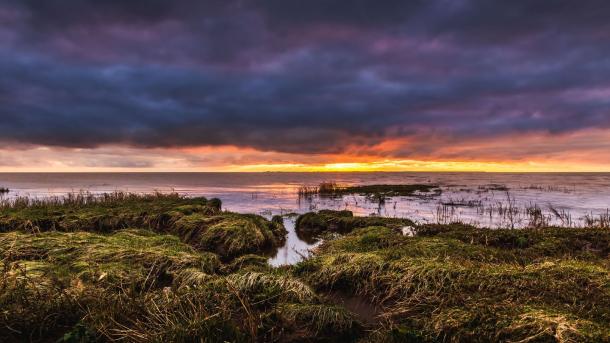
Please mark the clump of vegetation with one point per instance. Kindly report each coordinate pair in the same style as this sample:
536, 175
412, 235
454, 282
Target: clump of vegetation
126, 257
4, 190
493, 187
601, 221
378, 193
197, 221
139, 286
312, 224
229, 234
458, 283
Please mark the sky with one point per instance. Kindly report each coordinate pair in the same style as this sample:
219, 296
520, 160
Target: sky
317, 85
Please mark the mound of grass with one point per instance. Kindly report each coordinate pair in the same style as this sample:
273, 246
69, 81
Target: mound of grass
377, 192
229, 234
137, 258
529, 243
197, 221
4, 190
99, 213
139, 286
312, 224
451, 286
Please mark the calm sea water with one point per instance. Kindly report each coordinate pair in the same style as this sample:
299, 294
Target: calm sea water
483, 199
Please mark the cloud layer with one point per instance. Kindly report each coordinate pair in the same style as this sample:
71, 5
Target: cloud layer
302, 77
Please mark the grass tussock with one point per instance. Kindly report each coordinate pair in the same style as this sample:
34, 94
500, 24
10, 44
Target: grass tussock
4, 190
134, 258
138, 286
374, 192
459, 284
312, 224
197, 221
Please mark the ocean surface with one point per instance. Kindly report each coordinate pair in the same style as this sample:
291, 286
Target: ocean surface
494, 200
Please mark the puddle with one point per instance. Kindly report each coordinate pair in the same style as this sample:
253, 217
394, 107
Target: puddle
295, 249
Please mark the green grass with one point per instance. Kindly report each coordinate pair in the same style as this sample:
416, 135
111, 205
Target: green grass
312, 224
137, 258
197, 221
136, 285
463, 284
161, 268
373, 192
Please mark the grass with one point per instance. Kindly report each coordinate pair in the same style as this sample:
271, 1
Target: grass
166, 268
131, 257
459, 283
377, 193
197, 221
4, 190
313, 224
139, 286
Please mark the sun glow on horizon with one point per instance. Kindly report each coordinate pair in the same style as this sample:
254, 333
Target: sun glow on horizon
424, 166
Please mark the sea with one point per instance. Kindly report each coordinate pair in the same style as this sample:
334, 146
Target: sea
494, 200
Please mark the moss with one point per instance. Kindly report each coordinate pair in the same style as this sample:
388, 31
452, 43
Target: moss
45, 294
100, 214
320, 321
249, 262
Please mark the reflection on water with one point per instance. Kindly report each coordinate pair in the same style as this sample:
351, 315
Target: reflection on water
483, 199
295, 248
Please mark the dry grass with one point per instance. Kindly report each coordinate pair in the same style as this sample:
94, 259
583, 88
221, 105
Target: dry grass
312, 224
373, 192
192, 273
197, 221
138, 286
464, 285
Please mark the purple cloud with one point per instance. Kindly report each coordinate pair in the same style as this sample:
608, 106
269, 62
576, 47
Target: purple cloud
299, 77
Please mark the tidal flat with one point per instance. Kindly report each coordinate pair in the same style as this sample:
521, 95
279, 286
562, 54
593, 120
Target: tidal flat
165, 267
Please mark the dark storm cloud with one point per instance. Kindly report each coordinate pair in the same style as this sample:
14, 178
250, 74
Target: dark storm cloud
298, 76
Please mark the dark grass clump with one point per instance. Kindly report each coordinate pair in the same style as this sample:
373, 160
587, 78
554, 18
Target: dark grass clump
4, 190
529, 243
197, 221
229, 234
373, 192
312, 224
454, 287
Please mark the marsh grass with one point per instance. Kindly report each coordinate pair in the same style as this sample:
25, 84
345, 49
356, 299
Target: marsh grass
509, 214
138, 286
4, 190
185, 271
601, 221
374, 193
452, 283
313, 224
197, 221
